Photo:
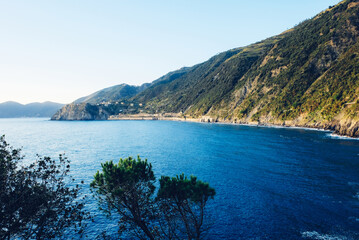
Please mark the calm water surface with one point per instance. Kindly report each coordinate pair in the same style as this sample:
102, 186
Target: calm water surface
271, 183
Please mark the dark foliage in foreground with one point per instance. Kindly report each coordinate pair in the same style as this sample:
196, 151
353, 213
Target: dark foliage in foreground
128, 189
38, 201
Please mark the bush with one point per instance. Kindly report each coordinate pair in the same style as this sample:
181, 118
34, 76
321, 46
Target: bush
35, 200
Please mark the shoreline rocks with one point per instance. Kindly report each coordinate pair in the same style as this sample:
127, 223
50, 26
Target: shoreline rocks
348, 129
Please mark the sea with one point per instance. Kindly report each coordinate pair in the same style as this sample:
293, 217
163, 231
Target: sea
271, 183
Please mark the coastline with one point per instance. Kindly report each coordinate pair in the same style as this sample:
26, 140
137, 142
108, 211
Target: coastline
206, 119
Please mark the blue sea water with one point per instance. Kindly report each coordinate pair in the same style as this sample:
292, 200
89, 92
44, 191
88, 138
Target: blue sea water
271, 183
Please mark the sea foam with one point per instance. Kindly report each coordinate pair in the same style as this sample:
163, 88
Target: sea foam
335, 136
317, 236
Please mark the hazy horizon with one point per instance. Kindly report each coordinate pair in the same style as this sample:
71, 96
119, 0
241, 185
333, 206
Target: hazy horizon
10, 101
60, 51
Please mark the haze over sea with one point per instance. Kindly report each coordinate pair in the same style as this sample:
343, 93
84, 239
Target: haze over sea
271, 183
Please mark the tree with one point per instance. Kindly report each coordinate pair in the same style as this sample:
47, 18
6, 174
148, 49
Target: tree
186, 197
36, 201
128, 188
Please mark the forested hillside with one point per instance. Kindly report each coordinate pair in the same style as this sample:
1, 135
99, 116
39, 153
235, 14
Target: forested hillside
306, 76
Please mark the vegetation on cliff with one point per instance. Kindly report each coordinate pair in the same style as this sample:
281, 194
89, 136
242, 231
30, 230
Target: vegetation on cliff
306, 76
112, 94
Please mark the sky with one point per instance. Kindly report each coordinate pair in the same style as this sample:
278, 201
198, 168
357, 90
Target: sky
61, 50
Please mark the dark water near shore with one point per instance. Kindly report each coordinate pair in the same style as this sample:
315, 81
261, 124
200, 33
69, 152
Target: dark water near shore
271, 183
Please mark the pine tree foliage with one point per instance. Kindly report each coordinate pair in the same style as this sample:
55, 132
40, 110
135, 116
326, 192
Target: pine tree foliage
175, 211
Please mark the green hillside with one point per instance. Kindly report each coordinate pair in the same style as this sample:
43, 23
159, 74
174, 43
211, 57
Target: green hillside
207, 84
307, 76
112, 94
101, 104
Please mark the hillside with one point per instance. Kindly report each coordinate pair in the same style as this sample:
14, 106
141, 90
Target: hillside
307, 76
14, 109
101, 104
112, 94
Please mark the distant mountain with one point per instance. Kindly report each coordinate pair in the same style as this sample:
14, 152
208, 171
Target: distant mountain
14, 109
307, 76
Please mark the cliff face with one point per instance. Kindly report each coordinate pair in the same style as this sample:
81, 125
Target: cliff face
84, 111
307, 76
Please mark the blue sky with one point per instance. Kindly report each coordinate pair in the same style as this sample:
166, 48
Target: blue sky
61, 50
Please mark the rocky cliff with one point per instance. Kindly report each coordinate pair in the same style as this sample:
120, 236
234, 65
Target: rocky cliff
83, 111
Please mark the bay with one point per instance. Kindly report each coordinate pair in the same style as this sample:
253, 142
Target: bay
271, 183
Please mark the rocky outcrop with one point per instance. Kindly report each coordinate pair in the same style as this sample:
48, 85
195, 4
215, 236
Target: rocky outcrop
84, 111
349, 128
346, 128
